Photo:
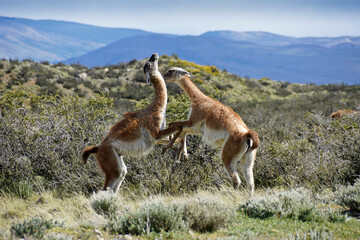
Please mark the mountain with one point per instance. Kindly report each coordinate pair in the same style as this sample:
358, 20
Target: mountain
255, 54
54, 40
257, 37
270, 39
301, 63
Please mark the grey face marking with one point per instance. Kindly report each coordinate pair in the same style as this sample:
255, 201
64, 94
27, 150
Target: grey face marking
151, 66
176, 72
183, 72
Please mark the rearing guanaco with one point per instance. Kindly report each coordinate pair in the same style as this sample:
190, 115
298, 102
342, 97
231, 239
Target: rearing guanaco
220, 126
135, 134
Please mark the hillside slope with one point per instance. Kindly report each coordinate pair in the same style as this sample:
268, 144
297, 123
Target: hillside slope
125, 82
49, 113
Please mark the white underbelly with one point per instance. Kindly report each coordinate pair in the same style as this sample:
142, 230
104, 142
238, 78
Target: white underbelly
214, 138
137, 148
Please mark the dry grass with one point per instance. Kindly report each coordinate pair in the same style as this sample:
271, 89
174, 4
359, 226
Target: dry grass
77, 210
74, 211
82, 221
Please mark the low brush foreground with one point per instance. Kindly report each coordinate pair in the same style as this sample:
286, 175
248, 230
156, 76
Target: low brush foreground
217, 214
306, 172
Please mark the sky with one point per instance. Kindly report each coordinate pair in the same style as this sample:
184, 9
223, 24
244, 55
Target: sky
298, 18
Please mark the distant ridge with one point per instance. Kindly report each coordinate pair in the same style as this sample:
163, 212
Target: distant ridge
270, 39
54, 40
256, 54
301, 63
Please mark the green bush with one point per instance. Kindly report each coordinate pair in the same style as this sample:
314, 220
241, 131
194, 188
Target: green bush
151, 217
159, 174
43, 136
307, 150
105, 202
295, 204
314, 234
22, 188
349, 197
204, 215
35, 227
57, 236
201, 215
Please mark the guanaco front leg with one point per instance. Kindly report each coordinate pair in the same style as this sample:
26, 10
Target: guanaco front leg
172, 141
180, 124
167, 132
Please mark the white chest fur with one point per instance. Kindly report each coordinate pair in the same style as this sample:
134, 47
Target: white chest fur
162, 118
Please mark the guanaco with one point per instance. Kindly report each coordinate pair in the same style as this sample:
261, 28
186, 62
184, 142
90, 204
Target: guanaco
135, 134
219, 126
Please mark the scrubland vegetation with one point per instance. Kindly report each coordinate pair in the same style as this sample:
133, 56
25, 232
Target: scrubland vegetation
306, 172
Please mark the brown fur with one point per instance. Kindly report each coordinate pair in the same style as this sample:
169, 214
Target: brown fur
341, 113
255, 137
216, 116
130, 129
87, 151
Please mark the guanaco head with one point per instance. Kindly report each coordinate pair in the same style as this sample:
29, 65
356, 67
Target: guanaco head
174, 74
151, 67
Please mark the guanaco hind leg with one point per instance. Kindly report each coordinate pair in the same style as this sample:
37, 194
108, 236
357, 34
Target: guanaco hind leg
112, 166
247, 165
123, 172
233, 150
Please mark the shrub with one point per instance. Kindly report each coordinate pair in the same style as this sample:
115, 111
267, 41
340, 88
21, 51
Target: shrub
137, 91
295, 204
261, 208
201, 215
21, 188
34, 227
300, 144
204, 215
139, 76
43, 136
154, 216
310, 150
105, 202
349, 197
158, 174
57, 236
314, 234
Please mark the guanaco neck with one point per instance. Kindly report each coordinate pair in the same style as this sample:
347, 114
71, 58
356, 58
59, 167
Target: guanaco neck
159, 103
190, 88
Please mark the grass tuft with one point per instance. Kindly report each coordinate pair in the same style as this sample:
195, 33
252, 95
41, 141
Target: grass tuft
34, 227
